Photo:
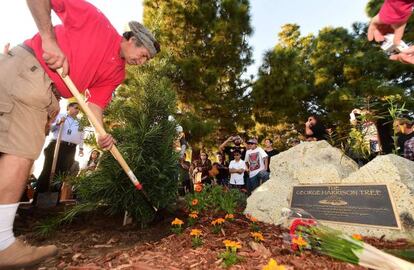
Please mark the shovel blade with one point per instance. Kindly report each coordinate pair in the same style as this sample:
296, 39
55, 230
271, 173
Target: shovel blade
47, 199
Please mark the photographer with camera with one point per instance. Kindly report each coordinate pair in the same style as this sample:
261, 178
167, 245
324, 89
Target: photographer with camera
314, 129
392, 19
237, 145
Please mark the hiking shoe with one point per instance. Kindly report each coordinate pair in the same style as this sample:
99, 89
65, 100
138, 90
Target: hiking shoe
19, 255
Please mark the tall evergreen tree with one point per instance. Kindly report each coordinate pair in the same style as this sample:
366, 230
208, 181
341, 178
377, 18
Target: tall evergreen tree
328, 74
207, 43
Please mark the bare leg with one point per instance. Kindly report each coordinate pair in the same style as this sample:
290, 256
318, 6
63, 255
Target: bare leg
14, 171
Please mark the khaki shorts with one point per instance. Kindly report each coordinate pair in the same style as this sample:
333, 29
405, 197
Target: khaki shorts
26, 104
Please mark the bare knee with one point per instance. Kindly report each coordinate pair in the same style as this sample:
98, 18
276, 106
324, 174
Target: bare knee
14, 172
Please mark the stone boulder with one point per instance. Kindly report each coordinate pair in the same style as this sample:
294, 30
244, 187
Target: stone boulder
320, 163
398, 173
306, 163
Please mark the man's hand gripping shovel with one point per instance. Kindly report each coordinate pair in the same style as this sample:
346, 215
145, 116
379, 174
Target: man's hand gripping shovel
101, 131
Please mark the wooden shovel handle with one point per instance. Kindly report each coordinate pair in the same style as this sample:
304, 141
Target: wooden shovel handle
99, 128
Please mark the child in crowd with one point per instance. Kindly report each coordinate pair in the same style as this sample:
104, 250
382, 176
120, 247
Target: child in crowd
237, 168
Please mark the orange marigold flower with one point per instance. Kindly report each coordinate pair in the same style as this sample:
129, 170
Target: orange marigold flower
218, 221
232, 244
193, 215
258, 236
177, 221
251, 218
357, 237
195, 232
273, 265
194, 202
229, 216
198, 188
299, 241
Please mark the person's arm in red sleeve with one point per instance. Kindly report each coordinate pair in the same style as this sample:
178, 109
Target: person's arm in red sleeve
75, 13
52, 54
392, 18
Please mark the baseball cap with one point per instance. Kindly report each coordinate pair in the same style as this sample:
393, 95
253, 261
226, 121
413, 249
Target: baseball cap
252, 141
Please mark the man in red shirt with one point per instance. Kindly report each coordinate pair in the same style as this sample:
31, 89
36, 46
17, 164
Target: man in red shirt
393, 18
89, 49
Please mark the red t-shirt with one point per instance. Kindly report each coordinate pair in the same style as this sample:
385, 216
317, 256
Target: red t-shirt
92, 47
396, 11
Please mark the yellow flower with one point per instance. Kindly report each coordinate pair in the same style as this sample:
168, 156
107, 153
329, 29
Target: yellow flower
218, 221
272, 265
232, 244
357, 237
195, 232
194, 212
177, 221
258, 236
229, 216
194, 202
193, 215
300, 241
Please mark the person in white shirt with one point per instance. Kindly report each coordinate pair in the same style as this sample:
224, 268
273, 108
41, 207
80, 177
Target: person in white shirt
237, 167
72, 136
257, 163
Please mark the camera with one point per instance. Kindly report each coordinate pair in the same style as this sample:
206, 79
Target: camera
389, 47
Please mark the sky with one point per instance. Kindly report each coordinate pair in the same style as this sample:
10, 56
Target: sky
267, 17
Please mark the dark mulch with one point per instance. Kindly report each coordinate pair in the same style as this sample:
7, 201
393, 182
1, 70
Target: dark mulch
99, 242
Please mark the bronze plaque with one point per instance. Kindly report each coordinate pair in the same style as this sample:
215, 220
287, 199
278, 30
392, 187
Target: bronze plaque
358, 204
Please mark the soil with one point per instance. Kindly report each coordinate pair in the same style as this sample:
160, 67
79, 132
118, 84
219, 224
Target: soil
100, 242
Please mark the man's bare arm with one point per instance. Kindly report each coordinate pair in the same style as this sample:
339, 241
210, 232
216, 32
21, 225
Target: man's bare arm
41, 12
106, 141
52, 54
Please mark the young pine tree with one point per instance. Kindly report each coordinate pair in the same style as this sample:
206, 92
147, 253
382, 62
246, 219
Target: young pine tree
138, 120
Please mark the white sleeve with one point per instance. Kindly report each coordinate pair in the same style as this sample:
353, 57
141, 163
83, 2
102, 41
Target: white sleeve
246, 157
262, 153
53, 126
231, 165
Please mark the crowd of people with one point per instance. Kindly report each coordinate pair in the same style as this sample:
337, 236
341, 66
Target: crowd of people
245, 165
237, 164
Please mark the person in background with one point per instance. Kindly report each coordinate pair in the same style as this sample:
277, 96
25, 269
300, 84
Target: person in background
93, 160
361, 119
237, 167
257, 164
184, 176
237, 145
223, 170
314, 129
182, 144
201, 166
392, 18
270, 151
72, 137
406, 132
409, 149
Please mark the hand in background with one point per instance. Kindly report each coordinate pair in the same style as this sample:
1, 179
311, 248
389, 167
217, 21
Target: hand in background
6, 48
377, 30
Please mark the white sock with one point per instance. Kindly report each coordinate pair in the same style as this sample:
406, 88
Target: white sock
7, 215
